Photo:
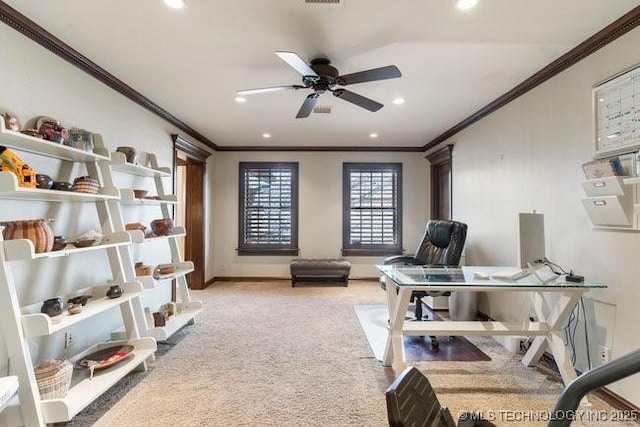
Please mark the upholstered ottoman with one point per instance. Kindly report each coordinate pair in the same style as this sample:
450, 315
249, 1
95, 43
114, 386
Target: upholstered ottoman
320, 270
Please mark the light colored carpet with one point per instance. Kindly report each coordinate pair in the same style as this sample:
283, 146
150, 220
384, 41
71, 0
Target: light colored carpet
266, 354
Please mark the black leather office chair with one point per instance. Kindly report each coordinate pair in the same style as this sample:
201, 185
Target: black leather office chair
441, 245
412, 402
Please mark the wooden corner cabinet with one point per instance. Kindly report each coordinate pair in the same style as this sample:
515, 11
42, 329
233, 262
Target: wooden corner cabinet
20, 317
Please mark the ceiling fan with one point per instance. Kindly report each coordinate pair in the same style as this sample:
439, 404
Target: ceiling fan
321, 77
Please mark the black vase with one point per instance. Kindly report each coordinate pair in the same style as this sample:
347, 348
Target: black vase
114, 291
52, 307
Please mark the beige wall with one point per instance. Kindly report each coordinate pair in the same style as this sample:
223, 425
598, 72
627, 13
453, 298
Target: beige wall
320, 206
527, 156
35, 82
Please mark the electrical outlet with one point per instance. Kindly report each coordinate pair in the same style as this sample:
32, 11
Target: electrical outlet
604, 353
69, 339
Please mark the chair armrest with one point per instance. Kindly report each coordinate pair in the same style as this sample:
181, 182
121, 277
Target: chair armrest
400, 259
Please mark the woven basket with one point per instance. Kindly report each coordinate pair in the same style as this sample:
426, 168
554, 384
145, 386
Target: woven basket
85, 184
53, 378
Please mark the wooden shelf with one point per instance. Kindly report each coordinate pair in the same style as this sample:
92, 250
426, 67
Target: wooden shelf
12, 139
119, 163
39, 324
150, 282
23, 249
174, 323
9, 189
127, 198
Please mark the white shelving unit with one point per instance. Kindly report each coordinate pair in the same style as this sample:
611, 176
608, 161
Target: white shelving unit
189, 308
19, 322
8, 387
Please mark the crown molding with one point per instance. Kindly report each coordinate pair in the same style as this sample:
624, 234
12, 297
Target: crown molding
616, 29
320, 148
30, 29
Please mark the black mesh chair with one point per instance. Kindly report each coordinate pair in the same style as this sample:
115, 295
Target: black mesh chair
412, 402
441, 245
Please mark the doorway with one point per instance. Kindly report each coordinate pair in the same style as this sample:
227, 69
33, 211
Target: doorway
189, 176
441, 192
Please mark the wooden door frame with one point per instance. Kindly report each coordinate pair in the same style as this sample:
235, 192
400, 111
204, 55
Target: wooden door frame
438, 159
194, 198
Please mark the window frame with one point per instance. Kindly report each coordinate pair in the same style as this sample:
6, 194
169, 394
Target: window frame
370, 249
248, 249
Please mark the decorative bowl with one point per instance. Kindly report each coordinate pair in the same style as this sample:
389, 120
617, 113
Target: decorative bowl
84, 243
140, 194
162, 227
61, 186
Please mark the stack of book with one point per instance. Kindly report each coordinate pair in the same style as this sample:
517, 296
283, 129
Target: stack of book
603, 168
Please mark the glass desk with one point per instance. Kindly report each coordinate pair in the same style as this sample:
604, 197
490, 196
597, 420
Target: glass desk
552, 313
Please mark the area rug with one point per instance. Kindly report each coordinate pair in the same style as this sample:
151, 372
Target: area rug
373, 320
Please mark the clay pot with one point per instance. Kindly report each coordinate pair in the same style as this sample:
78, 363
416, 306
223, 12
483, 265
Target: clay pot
36, 230
129, 153
61, 186
52, 307
114, 291
162, 227
81, 299
44, 181
59, 243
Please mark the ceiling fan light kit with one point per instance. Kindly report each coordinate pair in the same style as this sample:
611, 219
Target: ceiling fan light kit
321, 76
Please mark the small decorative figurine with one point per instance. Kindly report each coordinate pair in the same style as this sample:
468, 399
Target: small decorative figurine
10, 122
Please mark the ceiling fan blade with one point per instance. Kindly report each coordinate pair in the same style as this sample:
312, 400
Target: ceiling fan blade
307, 105
267, 89
359, 100
382, 73
296, 63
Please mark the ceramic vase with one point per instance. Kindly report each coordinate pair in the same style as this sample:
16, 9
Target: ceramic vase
36, 230
52, 307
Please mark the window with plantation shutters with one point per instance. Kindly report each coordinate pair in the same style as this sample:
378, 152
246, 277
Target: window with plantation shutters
268, 216
372, 209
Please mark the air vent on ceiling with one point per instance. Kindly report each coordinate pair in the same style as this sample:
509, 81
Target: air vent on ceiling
322, 1
322, 109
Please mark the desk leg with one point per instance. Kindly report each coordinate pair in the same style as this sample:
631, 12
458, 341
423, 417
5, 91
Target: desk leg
398, 303
556, 319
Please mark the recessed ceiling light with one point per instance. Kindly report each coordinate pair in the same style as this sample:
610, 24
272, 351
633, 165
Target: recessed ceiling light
398, 101
466, 4
241, 99
373, 135
175, 4
266, 135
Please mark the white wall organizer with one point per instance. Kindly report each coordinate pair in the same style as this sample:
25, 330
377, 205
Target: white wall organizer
612, 202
